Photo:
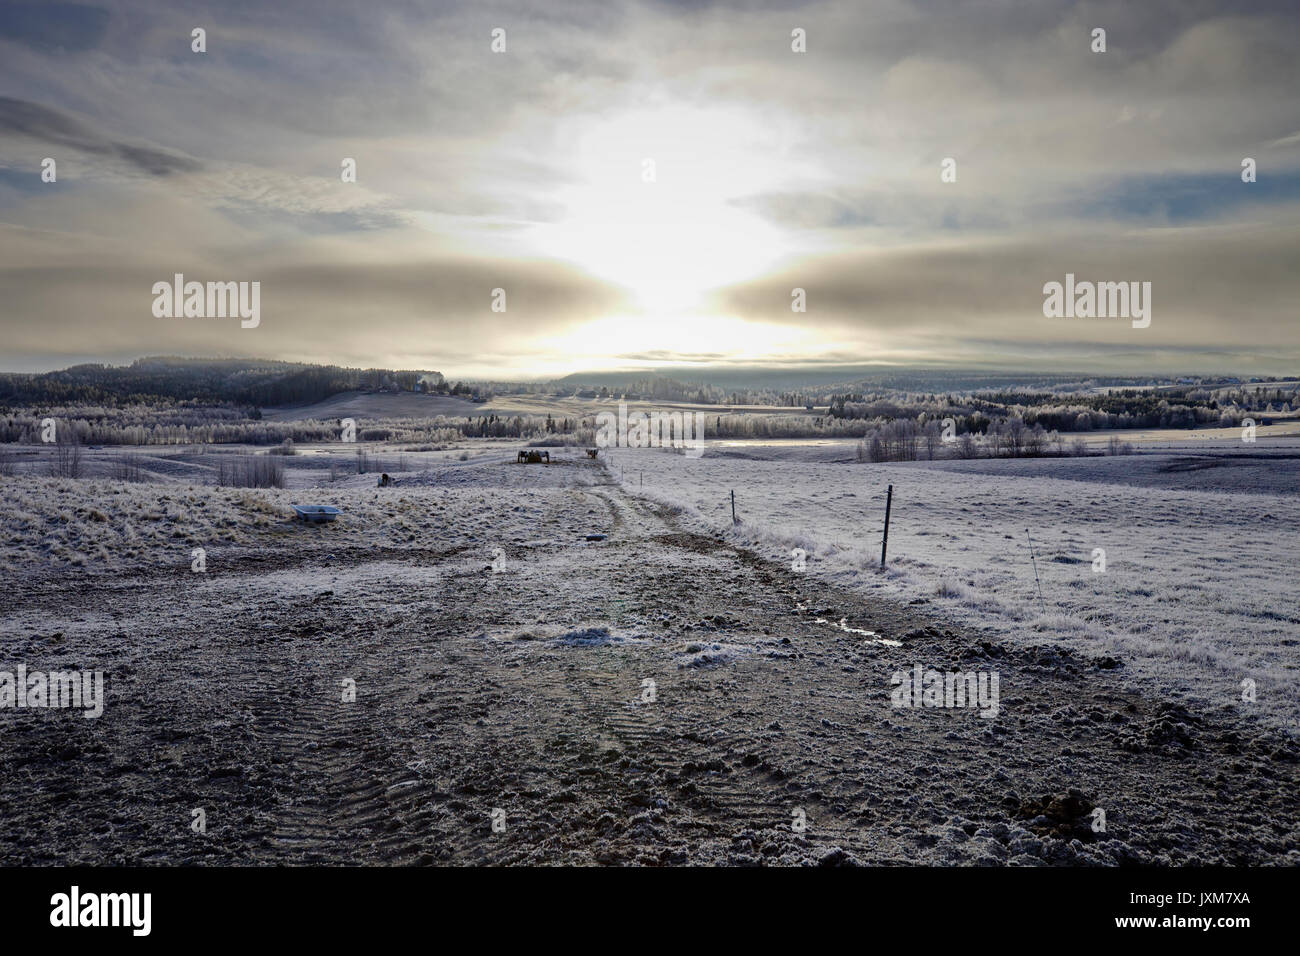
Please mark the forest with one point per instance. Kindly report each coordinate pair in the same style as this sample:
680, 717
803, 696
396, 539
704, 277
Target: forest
250, 383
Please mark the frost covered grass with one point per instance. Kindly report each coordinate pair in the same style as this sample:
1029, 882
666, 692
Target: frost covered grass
1199, 589
48, 525
58, 523
1198, 592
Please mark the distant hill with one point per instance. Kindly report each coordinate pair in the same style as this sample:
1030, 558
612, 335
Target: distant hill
249, 382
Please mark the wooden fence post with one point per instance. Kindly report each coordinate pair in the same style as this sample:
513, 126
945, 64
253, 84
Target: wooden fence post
884, 542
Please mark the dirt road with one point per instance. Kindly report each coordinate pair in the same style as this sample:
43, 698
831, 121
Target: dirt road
526, 691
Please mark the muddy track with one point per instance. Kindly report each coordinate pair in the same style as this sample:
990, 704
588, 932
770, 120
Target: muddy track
523, 696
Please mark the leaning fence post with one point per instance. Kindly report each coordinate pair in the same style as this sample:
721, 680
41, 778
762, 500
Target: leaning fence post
884, 542
733, 507
1033, 558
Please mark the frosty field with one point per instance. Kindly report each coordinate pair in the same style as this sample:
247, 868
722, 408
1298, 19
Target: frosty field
1199, 589
671, 692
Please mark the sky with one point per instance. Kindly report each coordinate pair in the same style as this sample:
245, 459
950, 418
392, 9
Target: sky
648, 182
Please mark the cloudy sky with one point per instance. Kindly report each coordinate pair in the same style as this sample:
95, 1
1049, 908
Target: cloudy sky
648, 181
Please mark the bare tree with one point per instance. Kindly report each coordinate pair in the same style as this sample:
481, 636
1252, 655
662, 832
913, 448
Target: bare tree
128, 468
995, 440
1014, 434
66, 462
931, 436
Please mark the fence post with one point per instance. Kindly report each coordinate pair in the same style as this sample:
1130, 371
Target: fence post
1034, 558
733, 506
884, 542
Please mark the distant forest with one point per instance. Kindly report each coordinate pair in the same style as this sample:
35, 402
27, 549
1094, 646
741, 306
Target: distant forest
1179, 407
168, 400
240, 382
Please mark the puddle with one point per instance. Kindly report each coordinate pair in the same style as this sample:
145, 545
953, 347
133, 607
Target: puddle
871, 636
560, 636
594, 637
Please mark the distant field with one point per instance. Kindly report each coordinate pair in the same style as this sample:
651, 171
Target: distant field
1177, 437
376, 405
547, 404
367, 405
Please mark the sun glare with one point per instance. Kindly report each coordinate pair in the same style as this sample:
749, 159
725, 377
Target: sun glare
654, 205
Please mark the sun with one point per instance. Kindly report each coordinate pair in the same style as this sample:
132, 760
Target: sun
657, 204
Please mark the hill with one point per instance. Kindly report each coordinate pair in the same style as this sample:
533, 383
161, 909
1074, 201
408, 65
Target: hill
252, 382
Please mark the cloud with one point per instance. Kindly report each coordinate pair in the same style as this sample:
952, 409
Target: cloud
50, 126
54, 27
821, 170
333, 299
1230, 286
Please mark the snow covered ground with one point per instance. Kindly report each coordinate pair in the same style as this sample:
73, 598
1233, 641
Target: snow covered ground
1199, 590
98, 525
504, 623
